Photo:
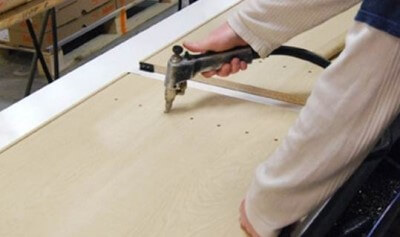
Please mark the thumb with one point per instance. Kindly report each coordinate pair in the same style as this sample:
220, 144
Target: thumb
198, 47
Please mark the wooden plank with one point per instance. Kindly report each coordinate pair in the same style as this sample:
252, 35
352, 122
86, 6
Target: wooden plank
116, 165
293, 98
149, 13
26, 11
7, 5
276, 77
122, 24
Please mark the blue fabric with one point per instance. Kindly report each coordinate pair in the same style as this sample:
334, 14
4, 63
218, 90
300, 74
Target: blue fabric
381, 14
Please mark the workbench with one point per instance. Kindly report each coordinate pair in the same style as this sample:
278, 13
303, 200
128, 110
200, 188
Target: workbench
30, 113
92, 154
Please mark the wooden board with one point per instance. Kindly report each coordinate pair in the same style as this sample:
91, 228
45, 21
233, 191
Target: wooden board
278, 77
7, 5
122, 24
116, 165
25, 11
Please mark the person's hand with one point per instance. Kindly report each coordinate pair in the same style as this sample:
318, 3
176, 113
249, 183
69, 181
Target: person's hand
244, 222
221, 39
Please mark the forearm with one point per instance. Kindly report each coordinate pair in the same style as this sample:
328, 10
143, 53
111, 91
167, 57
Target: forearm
352, 102
267, 24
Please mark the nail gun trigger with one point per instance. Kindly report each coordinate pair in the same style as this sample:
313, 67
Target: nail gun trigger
187, 55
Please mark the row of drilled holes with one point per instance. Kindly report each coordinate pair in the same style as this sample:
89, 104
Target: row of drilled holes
192, 118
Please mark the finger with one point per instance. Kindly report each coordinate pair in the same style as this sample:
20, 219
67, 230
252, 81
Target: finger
242, 207
246, 230
253, 233
243, 65
225, 70
247, 227
242, 217
198, 47
209, 74
235, 65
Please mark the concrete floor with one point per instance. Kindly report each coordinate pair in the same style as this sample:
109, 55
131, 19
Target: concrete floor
14, 69
15, 65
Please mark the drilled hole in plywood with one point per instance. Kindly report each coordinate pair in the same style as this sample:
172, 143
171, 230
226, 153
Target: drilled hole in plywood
191, 118
140, 105
276, 139
218, 125
260, 61
115, 99
284, 66
247, 132
309, 71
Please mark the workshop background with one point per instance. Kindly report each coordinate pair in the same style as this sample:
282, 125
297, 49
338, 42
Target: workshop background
86, 29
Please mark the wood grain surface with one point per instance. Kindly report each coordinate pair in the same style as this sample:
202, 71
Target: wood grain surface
116, 165
277, 77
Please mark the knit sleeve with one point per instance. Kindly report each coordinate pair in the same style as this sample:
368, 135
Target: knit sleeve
267, 24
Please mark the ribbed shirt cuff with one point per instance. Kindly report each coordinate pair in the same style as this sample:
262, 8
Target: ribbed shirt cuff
260, 46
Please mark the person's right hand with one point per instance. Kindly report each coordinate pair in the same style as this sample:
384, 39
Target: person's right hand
221, 39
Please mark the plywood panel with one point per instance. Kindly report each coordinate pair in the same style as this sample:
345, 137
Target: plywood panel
116, 165
277, 73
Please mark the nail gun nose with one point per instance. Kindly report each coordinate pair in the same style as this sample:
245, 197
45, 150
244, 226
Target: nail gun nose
168, 106
169, 99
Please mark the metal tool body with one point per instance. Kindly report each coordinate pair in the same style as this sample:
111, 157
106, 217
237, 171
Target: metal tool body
184, 67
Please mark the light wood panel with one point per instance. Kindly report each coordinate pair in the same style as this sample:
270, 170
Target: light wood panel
116, 165
277, 74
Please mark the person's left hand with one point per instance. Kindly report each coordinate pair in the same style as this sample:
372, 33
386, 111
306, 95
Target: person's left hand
244, 222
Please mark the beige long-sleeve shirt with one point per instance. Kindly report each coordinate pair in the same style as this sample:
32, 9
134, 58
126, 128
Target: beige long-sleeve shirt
351, 103
267, 24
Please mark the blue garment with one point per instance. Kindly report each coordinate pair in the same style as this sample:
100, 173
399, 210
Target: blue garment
381, 14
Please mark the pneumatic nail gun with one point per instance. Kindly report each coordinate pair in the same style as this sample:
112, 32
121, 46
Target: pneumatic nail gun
184, 66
